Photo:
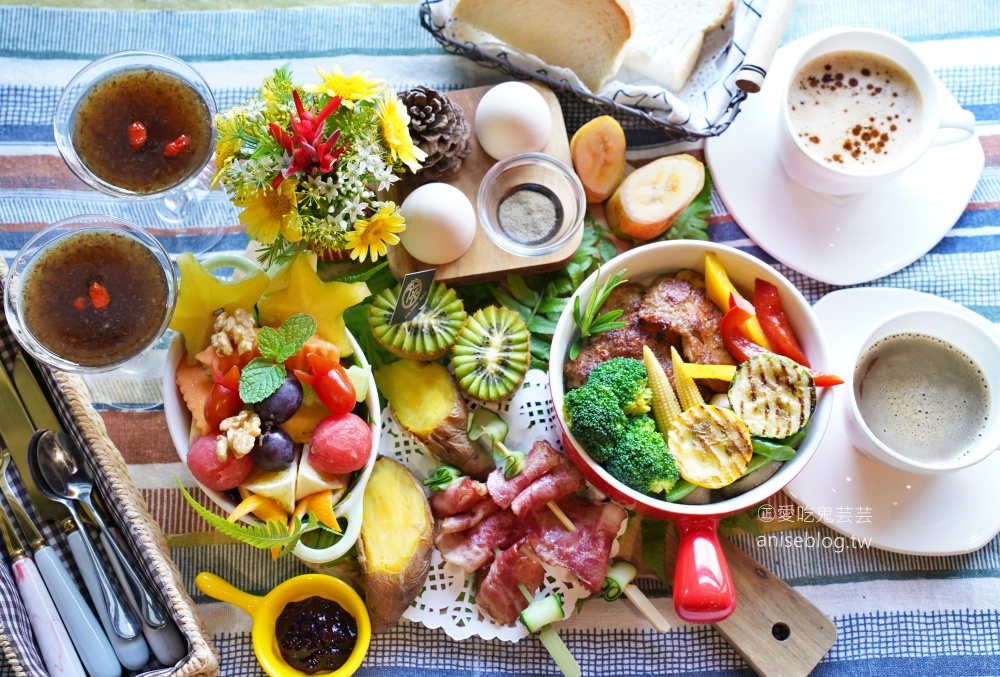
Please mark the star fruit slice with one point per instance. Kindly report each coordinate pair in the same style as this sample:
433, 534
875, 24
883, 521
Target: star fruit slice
297, 288
201, 294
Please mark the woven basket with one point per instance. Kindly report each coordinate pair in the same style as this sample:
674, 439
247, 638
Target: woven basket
128, 510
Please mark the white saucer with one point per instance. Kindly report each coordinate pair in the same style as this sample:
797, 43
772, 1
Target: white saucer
945, 514
839, 240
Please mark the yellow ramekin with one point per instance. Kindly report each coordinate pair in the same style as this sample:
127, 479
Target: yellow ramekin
264, 612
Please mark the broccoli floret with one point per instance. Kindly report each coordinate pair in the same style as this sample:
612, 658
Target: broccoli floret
595, 418
627, 379
641, 460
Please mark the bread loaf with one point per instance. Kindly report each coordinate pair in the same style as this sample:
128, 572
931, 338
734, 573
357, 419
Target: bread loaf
668, 35
585, 36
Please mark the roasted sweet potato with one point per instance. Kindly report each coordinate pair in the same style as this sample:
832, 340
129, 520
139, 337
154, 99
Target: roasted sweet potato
427, 403
394, 549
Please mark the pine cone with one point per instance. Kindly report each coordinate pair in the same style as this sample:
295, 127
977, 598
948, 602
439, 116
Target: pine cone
439, 128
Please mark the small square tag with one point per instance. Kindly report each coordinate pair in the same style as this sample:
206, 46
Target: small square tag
412, 295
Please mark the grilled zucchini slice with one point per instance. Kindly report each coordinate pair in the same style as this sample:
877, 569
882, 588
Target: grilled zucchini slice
773, 395
711, 446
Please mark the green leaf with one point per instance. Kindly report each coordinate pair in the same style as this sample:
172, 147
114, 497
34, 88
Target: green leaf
508, 301
260, 379
294, 332
519, 289
268, 535
692, 224
542, 325
743, 520
362, 275
540, 348
552, 306
654, 532
268, 343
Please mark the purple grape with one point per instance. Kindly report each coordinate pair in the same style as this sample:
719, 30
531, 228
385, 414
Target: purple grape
274, 448
282, 404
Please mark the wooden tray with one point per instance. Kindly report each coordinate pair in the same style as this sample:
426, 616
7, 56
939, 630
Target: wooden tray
484, 260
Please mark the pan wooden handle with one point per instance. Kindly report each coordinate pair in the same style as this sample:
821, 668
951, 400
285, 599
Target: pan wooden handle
764, 44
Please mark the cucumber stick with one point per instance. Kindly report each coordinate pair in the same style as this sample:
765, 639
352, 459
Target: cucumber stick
542, 612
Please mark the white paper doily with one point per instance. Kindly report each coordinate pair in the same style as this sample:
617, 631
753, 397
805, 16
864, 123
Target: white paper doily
447, 600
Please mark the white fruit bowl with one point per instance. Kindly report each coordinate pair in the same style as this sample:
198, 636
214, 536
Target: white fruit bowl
350, 506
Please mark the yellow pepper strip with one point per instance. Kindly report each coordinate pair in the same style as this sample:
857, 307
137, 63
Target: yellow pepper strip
261, 506
723, 372
719, 287
687, 391
321, 504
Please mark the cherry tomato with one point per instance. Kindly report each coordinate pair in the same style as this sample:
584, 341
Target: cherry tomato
330, 381
224, 399
136, 135
177, 146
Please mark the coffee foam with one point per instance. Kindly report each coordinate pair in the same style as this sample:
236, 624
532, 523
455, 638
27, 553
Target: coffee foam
854, 110
922, 397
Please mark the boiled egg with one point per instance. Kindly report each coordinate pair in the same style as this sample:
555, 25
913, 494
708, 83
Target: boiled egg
512, 118
440, 223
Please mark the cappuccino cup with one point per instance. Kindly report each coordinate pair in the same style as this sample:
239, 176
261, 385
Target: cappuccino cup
860, 106
924, 393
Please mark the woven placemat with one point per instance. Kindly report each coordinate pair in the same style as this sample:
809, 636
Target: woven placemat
71, 400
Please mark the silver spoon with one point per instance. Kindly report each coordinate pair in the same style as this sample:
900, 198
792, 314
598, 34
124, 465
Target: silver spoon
64, 474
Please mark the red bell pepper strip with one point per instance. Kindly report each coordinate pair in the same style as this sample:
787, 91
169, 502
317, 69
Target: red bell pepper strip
774, 322
734, 336
740, 346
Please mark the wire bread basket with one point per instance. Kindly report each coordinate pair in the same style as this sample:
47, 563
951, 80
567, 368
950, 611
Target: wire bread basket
733, 62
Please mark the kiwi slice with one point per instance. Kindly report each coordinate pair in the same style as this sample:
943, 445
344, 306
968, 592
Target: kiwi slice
492, 353
429, 334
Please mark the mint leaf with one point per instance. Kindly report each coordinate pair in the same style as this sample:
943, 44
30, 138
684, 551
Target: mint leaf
692, 224
260, 379
268, 343
294, 332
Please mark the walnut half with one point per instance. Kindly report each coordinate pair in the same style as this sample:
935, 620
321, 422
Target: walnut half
241, 431
233, 333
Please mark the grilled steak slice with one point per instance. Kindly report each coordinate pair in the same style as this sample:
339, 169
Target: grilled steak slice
624, 342
680, 305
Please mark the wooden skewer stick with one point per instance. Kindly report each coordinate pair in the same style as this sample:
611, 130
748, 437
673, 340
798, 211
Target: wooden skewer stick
556, 510
646, 608
561, 516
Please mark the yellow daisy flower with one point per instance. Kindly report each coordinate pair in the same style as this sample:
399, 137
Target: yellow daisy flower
396, 132
350, 88
270, 211
372, 235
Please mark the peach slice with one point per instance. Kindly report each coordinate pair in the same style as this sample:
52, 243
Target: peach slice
598, 152
653, 196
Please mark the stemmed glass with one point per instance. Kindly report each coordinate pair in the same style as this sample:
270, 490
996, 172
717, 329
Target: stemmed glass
136, 365
174, 197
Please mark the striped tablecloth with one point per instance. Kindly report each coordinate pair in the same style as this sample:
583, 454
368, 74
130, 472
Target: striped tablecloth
895, 614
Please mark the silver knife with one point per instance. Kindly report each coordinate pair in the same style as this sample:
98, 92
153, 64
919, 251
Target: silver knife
166, 642
92, 645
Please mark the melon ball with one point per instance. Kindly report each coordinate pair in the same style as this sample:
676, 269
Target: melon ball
341, 444
217, 475
512, 118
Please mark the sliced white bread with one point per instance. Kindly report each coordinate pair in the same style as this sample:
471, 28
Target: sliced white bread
667, 37
585, 36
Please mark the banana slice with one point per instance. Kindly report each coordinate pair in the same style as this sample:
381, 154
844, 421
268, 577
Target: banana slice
653, 196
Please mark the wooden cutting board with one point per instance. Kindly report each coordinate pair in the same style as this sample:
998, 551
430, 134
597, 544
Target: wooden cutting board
484, 260
775, 629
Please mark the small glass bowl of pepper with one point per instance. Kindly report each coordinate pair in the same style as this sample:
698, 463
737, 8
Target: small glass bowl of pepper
531, 204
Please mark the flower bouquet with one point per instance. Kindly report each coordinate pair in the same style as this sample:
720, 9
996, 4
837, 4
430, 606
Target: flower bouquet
306, 165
